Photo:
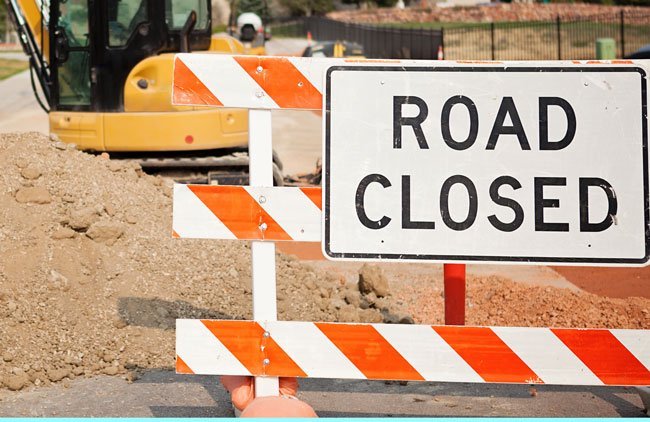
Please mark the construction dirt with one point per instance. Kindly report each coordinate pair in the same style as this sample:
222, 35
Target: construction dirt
91, 280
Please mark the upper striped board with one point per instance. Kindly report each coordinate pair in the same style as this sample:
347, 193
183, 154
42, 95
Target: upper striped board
263, 82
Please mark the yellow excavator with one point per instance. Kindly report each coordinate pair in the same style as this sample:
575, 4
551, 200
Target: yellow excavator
104, 68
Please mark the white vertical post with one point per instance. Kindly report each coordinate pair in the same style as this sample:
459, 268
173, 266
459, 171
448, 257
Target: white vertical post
260, 151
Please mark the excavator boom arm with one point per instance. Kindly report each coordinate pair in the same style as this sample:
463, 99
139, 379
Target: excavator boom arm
31, 19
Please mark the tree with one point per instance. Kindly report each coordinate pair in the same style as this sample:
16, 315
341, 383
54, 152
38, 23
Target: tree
258, 7
3, 20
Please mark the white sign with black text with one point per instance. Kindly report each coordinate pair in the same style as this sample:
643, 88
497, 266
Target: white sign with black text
497, 164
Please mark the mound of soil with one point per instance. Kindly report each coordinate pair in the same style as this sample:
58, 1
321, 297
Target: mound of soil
495, 301
417, 290
91, 280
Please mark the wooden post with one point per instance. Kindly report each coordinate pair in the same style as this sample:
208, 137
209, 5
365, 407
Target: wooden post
260, 151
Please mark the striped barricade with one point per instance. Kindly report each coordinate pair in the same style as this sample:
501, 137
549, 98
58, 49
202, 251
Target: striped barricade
353, 351
375, 351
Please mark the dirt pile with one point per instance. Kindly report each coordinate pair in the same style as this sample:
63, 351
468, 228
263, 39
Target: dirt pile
500, 302
417, 290
91, 280
504, 12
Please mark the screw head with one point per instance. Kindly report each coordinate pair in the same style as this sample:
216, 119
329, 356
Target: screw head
259, 69
266, 361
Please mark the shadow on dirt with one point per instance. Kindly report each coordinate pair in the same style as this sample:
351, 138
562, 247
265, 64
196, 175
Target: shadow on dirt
162, 314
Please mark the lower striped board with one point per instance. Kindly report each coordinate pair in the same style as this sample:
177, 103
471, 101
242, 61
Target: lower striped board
414, 352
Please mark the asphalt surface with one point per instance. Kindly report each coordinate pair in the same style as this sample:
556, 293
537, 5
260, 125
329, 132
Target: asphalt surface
164, 394
19, 111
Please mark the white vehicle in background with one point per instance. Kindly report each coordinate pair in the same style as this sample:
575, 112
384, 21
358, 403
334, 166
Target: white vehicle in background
249, 25
249, 29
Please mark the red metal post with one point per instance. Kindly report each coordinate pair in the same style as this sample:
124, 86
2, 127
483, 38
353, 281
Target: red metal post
454, 294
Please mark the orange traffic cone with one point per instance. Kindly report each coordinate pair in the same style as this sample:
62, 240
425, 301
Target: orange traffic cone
308, 38
441, 54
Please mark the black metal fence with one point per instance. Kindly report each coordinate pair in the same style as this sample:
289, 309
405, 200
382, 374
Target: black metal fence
560, 39
378, 42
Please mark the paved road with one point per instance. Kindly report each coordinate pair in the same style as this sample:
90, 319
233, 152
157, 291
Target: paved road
286, 46
164, 394
19, 111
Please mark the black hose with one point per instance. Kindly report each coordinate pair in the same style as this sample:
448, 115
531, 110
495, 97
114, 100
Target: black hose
31, 78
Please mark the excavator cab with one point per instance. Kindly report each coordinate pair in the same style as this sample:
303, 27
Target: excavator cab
96, 44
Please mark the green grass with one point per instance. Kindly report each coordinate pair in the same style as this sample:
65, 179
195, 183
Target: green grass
11, 67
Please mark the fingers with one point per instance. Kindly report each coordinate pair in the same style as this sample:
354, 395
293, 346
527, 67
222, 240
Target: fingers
241, 390
288, 386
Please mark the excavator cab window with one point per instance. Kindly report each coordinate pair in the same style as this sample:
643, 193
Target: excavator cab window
72, 52
178, 10
96, 43
124, 17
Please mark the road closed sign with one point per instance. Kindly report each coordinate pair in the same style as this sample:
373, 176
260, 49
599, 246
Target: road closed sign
494, 164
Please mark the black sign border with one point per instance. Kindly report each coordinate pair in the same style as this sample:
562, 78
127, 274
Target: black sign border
474, 258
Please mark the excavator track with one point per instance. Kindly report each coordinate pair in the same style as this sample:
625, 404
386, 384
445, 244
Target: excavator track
230, 169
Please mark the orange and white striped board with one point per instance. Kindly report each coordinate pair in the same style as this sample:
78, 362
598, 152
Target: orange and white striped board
414, 352
264, 82
247, 213
253, 81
